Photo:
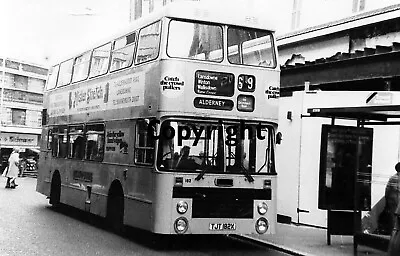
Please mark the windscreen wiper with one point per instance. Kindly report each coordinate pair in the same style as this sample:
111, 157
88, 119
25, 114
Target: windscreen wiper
247, 174
201, 174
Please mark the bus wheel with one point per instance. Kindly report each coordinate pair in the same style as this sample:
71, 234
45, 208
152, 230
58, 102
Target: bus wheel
115, 209
55, 190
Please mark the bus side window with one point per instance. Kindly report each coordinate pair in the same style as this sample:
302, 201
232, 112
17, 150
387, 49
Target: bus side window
52, 80
144, 144
149, 43
81, 67
122, 52
95, 142
59, 142
49, 139
76, 142
100, 60
65, 73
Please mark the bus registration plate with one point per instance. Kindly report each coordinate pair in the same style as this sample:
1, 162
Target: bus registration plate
222, 226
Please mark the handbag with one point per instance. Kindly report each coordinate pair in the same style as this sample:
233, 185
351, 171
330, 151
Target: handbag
5, 172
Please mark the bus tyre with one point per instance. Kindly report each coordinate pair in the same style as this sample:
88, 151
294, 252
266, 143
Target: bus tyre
55, 190
115, 213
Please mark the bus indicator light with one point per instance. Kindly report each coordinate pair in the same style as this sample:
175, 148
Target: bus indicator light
178, 181
267, 183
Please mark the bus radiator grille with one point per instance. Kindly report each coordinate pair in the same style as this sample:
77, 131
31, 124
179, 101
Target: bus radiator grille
222, 202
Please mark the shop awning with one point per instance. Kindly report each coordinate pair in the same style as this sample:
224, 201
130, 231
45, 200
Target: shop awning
384, 113
36, 150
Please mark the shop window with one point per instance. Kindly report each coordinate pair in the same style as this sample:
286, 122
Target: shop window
100, 60
76, 148
144, 144
122, 53
18, 116
95, 138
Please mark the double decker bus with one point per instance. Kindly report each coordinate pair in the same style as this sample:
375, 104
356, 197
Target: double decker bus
170, 126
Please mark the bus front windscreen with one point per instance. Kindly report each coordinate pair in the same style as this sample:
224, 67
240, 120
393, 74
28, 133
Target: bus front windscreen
234, 147
197, 41
251, 47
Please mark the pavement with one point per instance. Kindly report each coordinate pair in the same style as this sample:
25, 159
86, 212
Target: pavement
289, 238
309, 241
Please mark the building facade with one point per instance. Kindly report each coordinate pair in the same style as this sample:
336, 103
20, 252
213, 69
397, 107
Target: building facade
356, 59
21, 98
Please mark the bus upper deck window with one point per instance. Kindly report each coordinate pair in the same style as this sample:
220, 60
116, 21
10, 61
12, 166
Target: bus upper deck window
81, 67
100, 60
65, 73
251, 47
195, 41
52, 80
149, 43
122, 53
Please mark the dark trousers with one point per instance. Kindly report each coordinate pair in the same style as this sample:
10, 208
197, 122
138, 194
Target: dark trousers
10, 183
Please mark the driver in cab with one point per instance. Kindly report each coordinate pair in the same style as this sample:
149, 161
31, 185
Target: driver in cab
184, 161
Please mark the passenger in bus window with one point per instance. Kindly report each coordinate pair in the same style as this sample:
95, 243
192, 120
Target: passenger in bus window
184, 162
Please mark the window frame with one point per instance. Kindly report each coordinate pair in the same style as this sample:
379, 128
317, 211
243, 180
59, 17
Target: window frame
139, 40
70, 77
49, 139
270, 33
56, 132
68, 141
108, 61
134, 45
24, 110
55, 79
145, 148
85, 157
203, 23
88, 68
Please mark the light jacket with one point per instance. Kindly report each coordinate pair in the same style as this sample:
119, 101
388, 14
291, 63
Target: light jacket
13, 163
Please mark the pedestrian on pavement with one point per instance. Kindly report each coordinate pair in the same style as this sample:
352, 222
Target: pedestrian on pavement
392, 196
13, 168
394, 243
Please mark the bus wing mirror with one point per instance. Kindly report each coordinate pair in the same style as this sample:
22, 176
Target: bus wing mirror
278, 138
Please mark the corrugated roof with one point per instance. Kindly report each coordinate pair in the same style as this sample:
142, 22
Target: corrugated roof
340, 56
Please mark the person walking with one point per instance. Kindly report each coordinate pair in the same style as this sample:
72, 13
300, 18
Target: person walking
392, 196
13, 169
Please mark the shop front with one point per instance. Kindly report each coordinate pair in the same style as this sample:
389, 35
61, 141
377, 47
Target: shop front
29, 151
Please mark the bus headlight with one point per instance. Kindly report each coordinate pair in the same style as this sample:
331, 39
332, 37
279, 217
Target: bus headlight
182, 207
262, 225
181, 225
262, 208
